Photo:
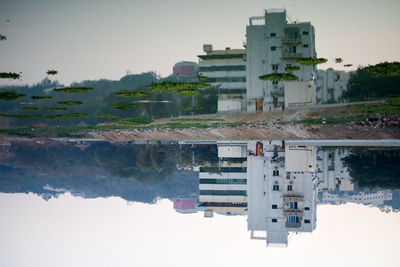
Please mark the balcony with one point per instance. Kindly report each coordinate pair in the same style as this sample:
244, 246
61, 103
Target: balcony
293, 224
291, 40
292, 212
289, 198
287, 55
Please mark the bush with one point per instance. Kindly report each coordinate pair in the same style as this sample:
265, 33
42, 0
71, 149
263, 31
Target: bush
309, 61
279, 77
125, 106
71, 102
73, 90
10, 95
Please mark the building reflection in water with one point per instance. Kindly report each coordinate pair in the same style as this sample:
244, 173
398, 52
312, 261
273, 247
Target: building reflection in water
277, 185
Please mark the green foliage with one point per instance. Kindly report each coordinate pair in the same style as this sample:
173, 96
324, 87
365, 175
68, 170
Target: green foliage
197, 119
40, 97
392, 106
292, 68
70, 102
338, 60
135, 121
73, 90
10, 75
30, 108
279, 77
385, 69
201, 78
189, 92
52, 72
190, 108
182, 88
69, 115
330, 120
125, 106
374, 169
10, 95
56, 116
105, 116
309, 61
363, 85
57, 108
131, 93
178, 125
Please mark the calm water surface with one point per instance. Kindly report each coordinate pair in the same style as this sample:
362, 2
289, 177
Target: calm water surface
80, 203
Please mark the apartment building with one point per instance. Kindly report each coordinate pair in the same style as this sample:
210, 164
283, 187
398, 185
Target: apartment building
226, 71
282, 191
273, 43
223, 189
330, 85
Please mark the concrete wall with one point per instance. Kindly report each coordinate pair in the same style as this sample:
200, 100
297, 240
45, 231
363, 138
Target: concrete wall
299, 93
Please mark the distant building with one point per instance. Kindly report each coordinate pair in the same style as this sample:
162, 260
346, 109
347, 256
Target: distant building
331, 171
185, 205
273, 44
282, 191
223, 189
185, 69
225, 70
376, 199
330, 85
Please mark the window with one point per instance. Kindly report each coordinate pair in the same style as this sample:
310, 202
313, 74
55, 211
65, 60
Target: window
275, 67
305, 33
273, 48
274, 220
275, 173
291, 35
305, 45
292, 49
275, 82
275, 187
273, 34
293, 204
289, 188
292, 219
274, 207
306, 221
306, 208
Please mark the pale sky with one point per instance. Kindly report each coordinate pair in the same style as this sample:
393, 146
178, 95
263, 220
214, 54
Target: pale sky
93, 39
71, 231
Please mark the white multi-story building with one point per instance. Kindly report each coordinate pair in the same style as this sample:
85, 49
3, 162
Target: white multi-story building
273, 44
282, 190
331, 171
225, 70
376, 198
330, 85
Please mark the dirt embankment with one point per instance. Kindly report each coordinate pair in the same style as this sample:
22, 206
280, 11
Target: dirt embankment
287, 132
270, 125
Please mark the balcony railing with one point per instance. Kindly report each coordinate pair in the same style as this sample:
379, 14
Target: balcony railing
291, 41
288, 198
293, 224
288, 55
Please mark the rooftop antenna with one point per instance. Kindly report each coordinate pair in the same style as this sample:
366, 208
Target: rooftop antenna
289, 18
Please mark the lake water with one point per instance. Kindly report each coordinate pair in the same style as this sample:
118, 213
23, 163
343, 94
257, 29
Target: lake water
214, 203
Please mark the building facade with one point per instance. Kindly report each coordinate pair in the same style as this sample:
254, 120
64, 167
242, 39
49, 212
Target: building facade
330, 85
282, 190
225, 70
185, 69
273, 44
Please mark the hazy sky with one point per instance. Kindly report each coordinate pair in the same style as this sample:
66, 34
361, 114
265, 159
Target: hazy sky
92, 39
71, 231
